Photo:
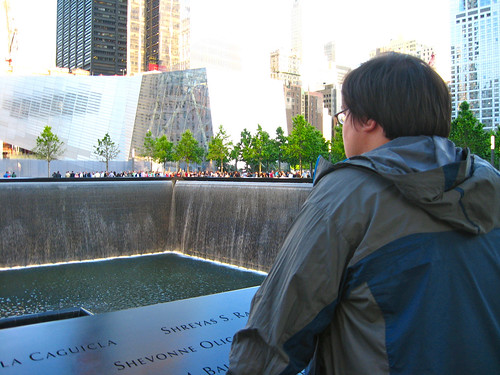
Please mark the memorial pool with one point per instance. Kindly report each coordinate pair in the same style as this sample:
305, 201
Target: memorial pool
116, 284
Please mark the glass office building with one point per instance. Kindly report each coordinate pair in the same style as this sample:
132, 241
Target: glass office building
92, 35
475, 54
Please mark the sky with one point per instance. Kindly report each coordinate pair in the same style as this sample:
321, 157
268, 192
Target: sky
260, 26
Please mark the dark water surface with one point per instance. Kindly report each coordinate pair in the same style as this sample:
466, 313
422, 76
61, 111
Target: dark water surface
116, 284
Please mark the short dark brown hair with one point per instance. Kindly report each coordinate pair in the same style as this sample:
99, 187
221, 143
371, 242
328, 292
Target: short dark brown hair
400, 92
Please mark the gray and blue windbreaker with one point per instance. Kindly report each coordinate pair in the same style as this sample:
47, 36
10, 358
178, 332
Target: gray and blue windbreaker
391, 267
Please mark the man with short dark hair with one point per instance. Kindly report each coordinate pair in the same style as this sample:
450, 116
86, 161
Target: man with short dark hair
393, 264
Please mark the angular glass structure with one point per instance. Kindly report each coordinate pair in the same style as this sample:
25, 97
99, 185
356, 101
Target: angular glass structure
475, 59
171, 103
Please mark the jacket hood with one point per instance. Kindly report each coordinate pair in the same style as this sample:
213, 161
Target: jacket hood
449, 183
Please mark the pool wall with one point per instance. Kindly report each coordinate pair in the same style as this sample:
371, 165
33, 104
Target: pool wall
237, 223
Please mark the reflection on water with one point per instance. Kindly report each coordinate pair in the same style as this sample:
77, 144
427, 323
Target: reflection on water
116, 284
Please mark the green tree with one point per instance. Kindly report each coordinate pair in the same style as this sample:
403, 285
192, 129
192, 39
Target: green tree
271, 153
48, 147
305, 143
260, 150
315, 146
106, 150
236, 154
279, 144
188, 149
337, 150
148, 149
245, 146
467, 131
219, 148
164, 150
294, 148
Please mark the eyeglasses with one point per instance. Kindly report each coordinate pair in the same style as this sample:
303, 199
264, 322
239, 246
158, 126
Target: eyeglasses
341, 116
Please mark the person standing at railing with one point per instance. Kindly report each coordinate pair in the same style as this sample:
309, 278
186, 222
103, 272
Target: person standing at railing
393, 264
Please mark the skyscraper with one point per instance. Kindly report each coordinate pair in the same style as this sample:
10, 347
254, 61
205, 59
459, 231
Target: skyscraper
92, 35
475, 59
158, 35
162, 34
135, 37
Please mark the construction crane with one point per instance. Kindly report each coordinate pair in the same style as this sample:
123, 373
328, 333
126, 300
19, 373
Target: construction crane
11, 34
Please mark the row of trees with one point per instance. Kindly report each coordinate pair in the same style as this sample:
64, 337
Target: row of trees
260, 151
49, 147
162, 150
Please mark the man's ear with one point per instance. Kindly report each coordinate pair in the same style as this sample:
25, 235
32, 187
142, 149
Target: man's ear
370, 125
374, 134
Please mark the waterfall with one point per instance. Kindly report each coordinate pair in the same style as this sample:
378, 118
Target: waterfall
239, 223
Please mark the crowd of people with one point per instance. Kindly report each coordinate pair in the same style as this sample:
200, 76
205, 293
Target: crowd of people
181, 173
